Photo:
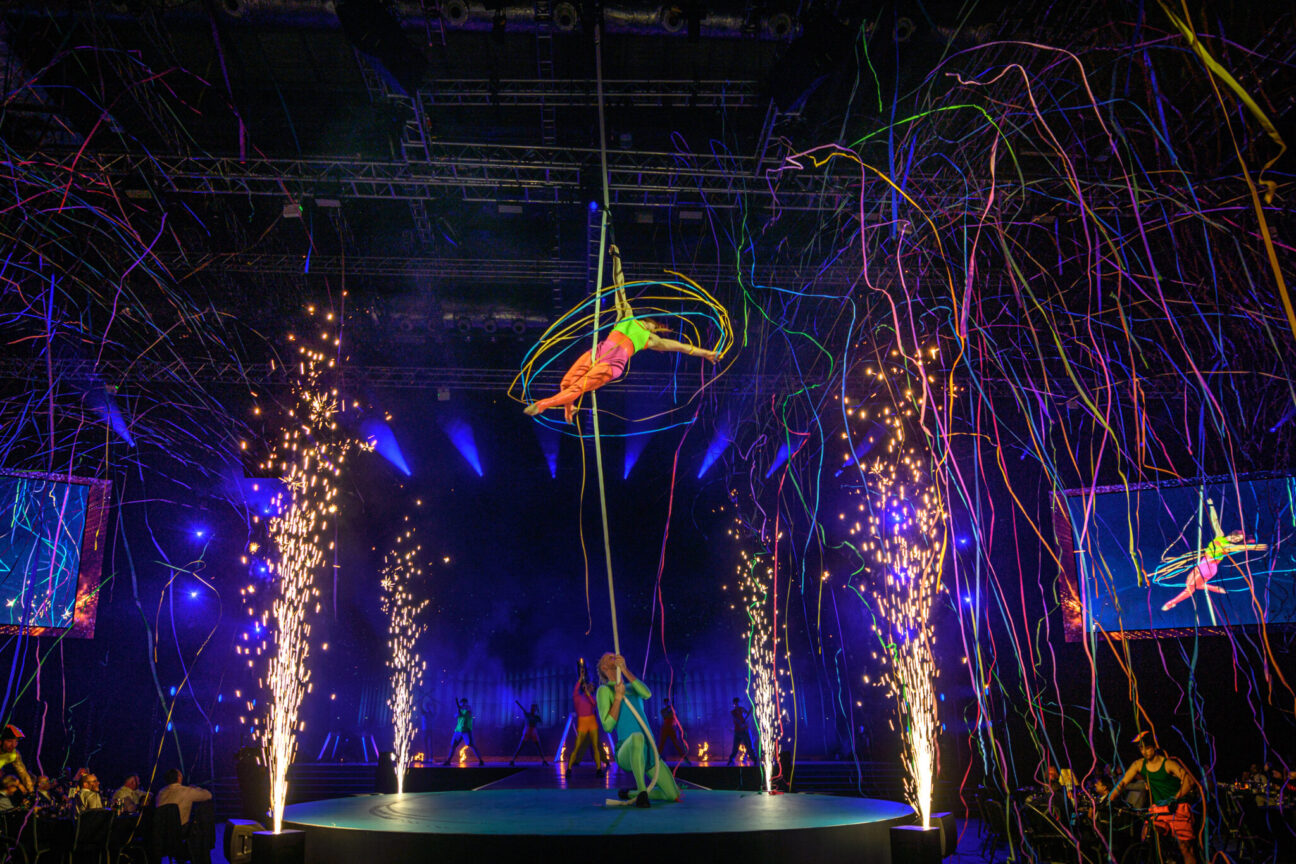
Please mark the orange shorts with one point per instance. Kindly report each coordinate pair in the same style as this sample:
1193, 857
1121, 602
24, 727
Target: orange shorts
586, 724
1178, 822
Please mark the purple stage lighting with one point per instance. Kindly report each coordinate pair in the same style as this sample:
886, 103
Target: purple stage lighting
718, 444
380, 435
549, 446
634, 445
106, 406
461, 436
779, 458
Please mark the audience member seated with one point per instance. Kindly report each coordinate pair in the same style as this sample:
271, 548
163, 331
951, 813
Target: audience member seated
1054, 795
175, 792
1266, 791
88, 797
46, 793
10, 794
1102, 786
129, 798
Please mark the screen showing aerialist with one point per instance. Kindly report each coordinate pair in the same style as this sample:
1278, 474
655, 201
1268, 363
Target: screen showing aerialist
1162, 558
42, 529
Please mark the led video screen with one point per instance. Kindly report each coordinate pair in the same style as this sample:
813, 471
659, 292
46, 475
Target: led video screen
52, 533
1178, 559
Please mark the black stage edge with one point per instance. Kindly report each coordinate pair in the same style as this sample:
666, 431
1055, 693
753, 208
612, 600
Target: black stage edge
443, 779
554, 824
745, 779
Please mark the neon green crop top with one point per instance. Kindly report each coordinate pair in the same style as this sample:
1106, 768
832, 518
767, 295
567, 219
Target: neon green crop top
635, 332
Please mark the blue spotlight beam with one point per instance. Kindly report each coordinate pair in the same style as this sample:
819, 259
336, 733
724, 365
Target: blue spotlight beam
384, 443
717, 446
461, 436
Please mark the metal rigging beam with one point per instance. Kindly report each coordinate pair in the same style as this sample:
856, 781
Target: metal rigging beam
382, 377
496, 270
491, 173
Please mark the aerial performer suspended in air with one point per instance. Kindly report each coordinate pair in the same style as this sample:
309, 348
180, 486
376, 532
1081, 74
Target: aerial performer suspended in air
1208, 563
609, 359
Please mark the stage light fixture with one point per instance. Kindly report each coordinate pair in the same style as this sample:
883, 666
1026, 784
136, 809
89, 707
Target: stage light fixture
455, 12
672, 19
779, 25
565, 17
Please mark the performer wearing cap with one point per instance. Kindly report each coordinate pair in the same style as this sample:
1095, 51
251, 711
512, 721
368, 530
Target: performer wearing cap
1171, 787
10, 757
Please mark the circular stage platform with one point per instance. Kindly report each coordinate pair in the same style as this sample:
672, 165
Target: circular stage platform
487, 825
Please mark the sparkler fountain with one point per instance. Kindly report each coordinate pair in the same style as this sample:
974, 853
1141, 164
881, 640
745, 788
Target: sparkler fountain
400, 569
909, 537
756, 584
309, 459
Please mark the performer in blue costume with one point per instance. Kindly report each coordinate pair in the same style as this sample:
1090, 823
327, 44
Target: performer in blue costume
633, 752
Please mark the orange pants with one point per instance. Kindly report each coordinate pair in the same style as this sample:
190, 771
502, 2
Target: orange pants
584, 375
1177, 822
586, 734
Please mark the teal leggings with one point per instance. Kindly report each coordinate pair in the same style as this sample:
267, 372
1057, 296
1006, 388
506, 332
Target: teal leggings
634, 756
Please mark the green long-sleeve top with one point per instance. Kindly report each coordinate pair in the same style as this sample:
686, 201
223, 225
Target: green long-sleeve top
625, 724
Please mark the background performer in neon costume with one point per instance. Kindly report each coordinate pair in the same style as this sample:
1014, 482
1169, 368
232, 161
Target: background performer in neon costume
1208, 564
628, 336
633, 752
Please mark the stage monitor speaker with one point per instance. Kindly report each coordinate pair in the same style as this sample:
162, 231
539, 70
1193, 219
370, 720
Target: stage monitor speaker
949, 832
286, 847
238, 840
914, 844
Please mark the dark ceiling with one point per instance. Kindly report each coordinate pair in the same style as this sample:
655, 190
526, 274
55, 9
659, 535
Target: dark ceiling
445, 172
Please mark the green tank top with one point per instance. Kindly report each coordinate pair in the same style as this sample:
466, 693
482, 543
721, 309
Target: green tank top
1162, 785
635, 332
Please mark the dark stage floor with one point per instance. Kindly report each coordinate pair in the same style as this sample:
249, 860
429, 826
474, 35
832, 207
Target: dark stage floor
537, 811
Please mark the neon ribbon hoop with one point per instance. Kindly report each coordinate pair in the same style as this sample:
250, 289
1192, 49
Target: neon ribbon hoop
572, 329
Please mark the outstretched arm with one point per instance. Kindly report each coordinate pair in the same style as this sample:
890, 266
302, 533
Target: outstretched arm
657, 343
1214, 517
623, 308
1126, 780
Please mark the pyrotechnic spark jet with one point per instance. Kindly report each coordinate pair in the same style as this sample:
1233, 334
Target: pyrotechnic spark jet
755, 577
908, 528
309, 459
400, 570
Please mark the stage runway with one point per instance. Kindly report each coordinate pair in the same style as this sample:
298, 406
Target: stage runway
487, 824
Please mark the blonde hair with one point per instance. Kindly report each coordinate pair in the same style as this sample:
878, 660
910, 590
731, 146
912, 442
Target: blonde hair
599, 665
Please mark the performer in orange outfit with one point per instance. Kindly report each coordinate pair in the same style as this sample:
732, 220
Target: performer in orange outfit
587, 732
629, 336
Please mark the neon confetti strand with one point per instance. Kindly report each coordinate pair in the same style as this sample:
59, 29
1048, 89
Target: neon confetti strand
400, 570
